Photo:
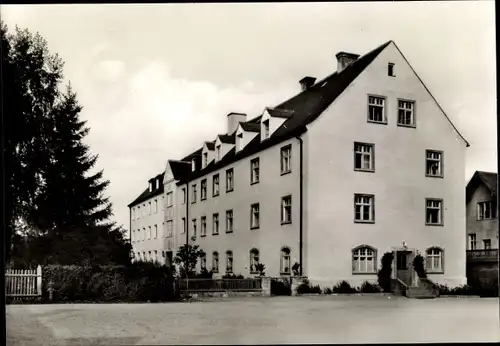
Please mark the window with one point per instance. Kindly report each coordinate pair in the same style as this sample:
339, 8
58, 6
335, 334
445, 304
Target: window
205, 159
363, 157
406, 113
194, 193
144, 211
485, 211
229, 221
155, 206
203, 261
183, 224
390, 70
286, 210
215, 185
155, 233
215, 262
203, 231
170, 229
434, 163
286, 159
183, 195
144, 236
170, 209
266, 128
364, 208
215, 229
149, 232
364, 260
240, 141
150, 257
138, 215
194, 227
229, 262
229, 180
149, 208
132, 210
254, 217
472, 241
254, 168
217, 153
162, 203
434, 212
434, 260
487, 244
203, 192
193, 165
156, 256
376, 111
254, 260
285, 261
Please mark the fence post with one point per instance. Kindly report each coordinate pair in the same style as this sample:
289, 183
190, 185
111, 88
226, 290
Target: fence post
39, 280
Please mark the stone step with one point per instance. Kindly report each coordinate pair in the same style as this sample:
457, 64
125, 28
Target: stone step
420, 293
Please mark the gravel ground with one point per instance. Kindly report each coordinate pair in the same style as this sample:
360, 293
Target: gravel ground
256, 320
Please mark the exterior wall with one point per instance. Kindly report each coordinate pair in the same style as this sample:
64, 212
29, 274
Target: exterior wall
399, 183
139, 244
271, 236
484, 229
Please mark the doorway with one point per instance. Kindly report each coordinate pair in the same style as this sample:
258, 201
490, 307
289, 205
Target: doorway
403, 266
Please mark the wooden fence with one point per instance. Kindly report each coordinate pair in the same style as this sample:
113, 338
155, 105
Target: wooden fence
23, 283
219, 285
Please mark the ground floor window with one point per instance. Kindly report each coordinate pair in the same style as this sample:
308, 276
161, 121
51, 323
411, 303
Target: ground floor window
229, 264
254, 260
434, 260
215, 262
285, 261
364, 260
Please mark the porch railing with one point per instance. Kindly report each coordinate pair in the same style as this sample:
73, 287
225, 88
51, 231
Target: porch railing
219, 285
482, 255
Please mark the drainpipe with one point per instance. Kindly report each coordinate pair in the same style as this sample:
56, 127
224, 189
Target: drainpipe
130, 227
301, 208
187, 213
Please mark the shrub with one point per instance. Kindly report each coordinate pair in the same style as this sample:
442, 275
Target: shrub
368, 287
260, 267
296, 269
384, 274
233, 276
305, 287
204, 274
418, 265
281, 287
458, 290
344, 287
327, 290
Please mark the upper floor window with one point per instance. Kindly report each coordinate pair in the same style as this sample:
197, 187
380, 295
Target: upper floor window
215, 185
183, 195
376, 109
485, 210
215, 262
203, 221
183, 224
170, 199
217, 153
472, 241
390, 70
229, 180
229, 262
434, 165
364, 208
229, 221
193, 165
434, 260
254, 260
286, 159
194, 193
286, 210
155, 206
144, 211
487, 244
155, 232
406, 113
364, 157
364, 260
149, 232
266, 128
203, 192
194, 227
170, 209
162, 203
138, 214
254, 171
205, 159
149, 208
203, 261
434, 212
285, 261
254, 216
215, 230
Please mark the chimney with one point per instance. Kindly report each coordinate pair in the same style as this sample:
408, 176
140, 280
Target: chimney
345, 59
233, 119
307, 82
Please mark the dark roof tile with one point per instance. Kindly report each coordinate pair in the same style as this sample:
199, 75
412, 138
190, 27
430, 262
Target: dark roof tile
252, 127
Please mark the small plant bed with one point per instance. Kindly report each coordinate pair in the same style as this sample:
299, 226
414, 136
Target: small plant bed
306, 288
463, 291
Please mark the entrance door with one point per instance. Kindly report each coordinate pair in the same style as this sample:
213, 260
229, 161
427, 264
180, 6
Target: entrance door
403, 266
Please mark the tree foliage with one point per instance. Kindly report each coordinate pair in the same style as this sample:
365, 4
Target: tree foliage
187, 258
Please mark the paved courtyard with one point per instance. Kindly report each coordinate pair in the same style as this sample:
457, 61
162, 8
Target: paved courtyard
312, 319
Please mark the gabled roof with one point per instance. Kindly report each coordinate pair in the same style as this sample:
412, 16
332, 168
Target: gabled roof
147, 194
228, 139
280, 113
488, 179
180, 169
210, 145
252, 127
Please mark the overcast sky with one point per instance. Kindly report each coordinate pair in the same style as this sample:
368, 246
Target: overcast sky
156, 81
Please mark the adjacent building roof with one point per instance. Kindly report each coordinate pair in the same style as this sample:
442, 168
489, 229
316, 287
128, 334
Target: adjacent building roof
488, 179
148, 194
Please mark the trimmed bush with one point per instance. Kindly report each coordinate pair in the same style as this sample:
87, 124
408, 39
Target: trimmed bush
384, 274
233, 276
281, 287
344, 287
306, 288
419, 266
463, 290
327, 290
368, 287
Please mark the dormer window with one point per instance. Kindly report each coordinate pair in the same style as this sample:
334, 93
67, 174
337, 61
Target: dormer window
240, 141
193, 165
205, 159
150, 186
217, 153
266, 128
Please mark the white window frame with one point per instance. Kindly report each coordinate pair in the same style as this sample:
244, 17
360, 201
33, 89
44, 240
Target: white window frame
229, 221
266, 128
485, 210
149, 232
434, 260
229, 180
217, 152
286, 209
361, 203
240, 141
376, 102
229, 262
487, 241
215, 262
285, 262
215, 185
215, 224
405, 108
193, 192
286, 159
203, 226
364, 150
254, 170
254, 260
155, 233
183, 195
155, 205
472, 241
203, 189
254, 216
183, 224
433, 157
434, 204
149, 208
364, 260
205, 159
194, 226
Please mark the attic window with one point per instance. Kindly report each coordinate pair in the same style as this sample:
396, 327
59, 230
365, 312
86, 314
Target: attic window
240, 141
193, 165
390, 70
266, 128
205, 159
217, 150
150, 186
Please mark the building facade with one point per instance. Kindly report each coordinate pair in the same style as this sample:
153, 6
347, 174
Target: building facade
360, 163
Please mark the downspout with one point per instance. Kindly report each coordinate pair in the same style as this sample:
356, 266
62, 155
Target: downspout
301, 206
187, 213
130, 228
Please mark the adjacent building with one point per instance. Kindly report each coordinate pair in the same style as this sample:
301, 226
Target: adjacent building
359, 163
